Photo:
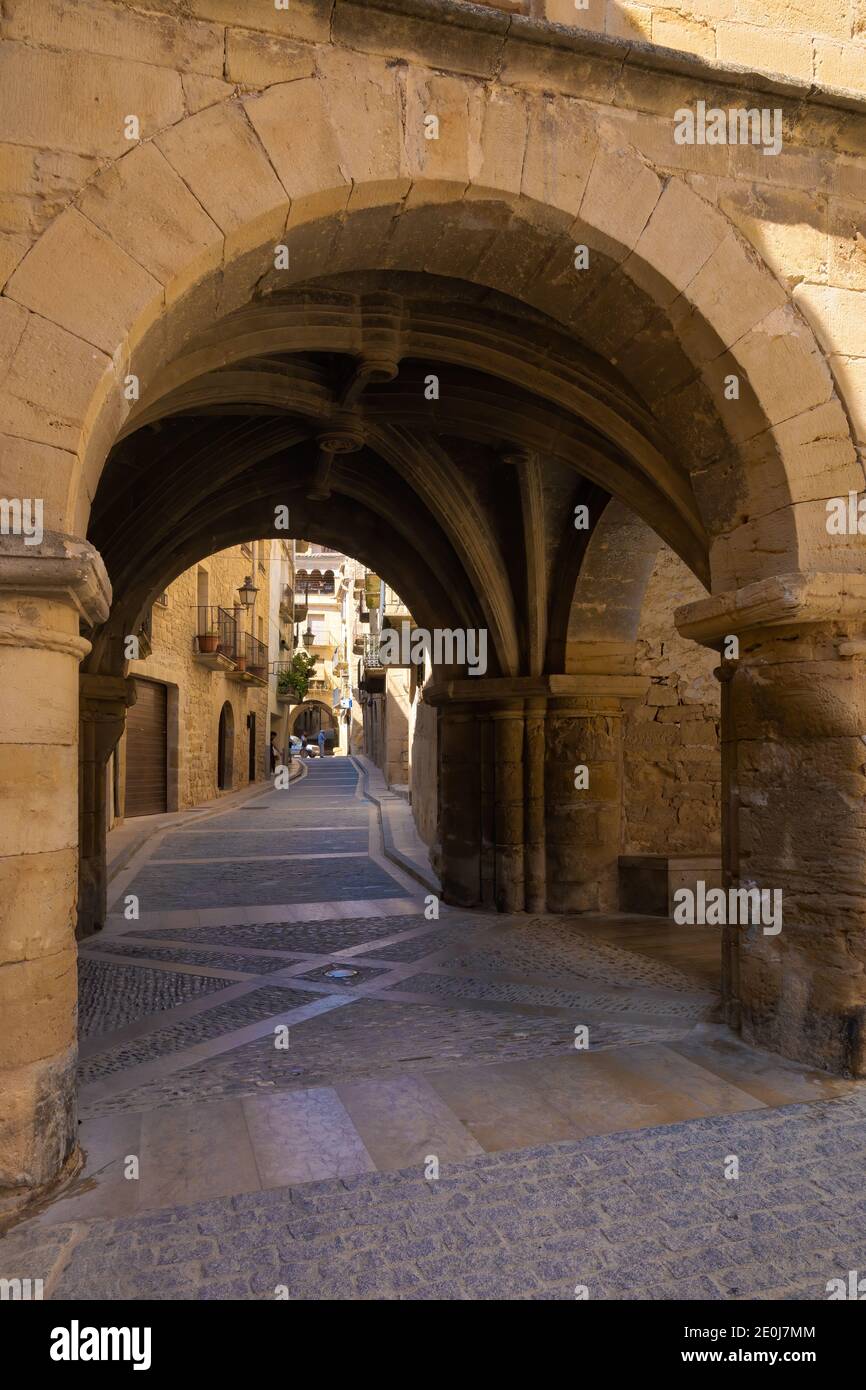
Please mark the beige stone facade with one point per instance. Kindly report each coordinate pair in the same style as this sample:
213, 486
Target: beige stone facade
443, 283
199, 684
327, 587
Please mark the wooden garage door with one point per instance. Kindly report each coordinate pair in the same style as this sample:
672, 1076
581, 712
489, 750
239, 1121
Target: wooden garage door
146, 751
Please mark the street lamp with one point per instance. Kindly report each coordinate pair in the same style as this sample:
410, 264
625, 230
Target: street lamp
308, 637
247, 592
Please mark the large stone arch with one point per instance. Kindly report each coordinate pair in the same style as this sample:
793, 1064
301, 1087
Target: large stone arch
153, 253
160, 246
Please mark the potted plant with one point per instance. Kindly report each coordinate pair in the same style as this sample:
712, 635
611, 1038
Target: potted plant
208, 641
295, 681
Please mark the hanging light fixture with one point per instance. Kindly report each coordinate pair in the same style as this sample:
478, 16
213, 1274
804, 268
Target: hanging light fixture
247, 592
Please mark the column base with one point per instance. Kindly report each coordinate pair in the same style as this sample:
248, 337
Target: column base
40, 1124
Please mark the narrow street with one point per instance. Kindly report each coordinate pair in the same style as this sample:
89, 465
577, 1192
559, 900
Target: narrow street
431, 1128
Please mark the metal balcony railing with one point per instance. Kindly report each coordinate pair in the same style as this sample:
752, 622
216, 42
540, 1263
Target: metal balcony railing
255, 656
216, 631
372, 658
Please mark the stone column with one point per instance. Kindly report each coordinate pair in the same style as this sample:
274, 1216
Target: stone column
45, 590
508, 805
103, 701
730, 847
535, 867
459, 805
795, 726
488, 808
583, 824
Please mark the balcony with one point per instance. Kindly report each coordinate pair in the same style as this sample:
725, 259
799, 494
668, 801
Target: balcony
250, 658
371, 667
221, 647
216, 638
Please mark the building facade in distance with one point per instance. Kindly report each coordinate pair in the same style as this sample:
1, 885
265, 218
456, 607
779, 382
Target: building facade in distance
209, 655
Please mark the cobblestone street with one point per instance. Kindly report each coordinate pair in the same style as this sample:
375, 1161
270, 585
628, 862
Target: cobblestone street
441, 1046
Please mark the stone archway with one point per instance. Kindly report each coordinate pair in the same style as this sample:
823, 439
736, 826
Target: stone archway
311, 716
155, 293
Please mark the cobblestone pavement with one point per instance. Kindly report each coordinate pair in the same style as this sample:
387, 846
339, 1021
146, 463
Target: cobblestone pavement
647, 1215
111, 995
284, 1120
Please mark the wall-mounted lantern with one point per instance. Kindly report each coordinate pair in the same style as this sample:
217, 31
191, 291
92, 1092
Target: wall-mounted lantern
247, 592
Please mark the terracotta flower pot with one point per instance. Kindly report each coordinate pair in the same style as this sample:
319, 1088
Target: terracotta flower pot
208, 642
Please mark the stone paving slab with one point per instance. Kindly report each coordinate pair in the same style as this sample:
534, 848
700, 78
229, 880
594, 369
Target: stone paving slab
376, 1037
644, 1215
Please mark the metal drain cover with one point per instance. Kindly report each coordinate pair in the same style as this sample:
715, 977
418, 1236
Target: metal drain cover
340, 972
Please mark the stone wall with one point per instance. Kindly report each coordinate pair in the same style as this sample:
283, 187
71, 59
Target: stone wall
814, 40
201, 693
671, 758
423, 775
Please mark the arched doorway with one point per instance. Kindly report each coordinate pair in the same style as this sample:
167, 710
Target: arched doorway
225, 748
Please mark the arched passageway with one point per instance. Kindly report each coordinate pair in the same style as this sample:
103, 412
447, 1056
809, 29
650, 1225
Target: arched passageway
395, 341
310, 717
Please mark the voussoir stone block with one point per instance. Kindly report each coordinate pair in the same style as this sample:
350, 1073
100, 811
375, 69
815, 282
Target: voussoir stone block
784, 368
219, 157
77, 277
363, 105
734, 291
558, 180
439, 166
30, 469
680, 237
309, 169
48, 391
620, 196
148, 211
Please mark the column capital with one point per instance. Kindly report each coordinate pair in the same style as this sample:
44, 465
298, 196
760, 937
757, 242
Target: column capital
783, 600
59, 567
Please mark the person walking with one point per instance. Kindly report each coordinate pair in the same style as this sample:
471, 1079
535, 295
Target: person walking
276, 757
320, 739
